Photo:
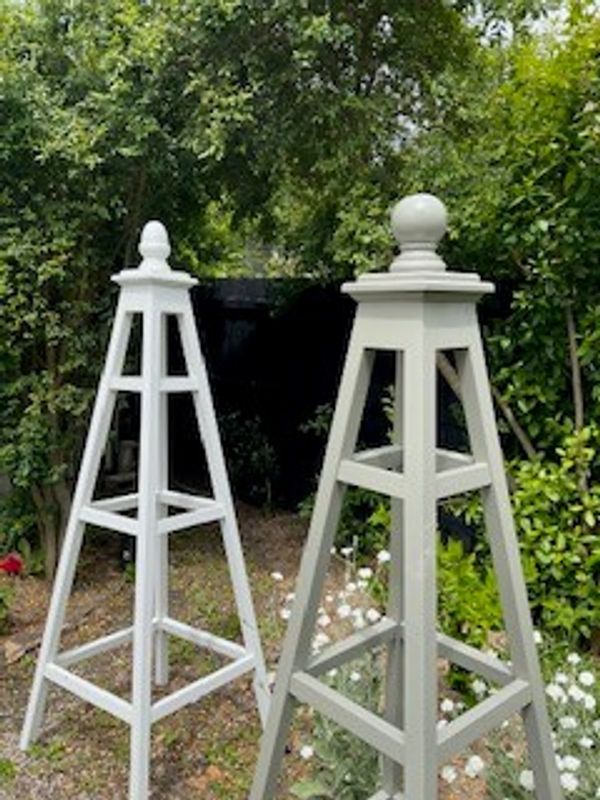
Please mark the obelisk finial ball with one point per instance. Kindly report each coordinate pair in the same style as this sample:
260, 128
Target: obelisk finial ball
418, 222
419, 219
154, 242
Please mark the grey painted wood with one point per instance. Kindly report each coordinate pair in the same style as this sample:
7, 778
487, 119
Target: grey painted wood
297, 644
394, 678
485, 444
415, 311
364, 724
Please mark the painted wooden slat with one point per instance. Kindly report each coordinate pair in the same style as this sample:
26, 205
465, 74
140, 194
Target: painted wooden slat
126, 383
178, 384
484, 664
123, 502
85, 690
90, 463
184, 499
368, 727
462, 479
373, 478
477, 721
109, 520
94, 648
351, 647
202, 638
388, 457
202, 687
450, 459
200, 516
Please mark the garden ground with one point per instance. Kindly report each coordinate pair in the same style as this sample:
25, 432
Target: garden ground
207, 750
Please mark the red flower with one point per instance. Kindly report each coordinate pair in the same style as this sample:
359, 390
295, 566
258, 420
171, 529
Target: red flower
12, 564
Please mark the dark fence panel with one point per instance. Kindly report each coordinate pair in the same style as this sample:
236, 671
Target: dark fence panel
274, 351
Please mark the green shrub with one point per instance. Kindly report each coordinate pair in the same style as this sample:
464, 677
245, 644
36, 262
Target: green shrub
469, 606
6, 596
345, 767
557, 517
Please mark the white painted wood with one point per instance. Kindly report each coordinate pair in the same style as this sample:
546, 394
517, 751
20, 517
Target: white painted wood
415, 311
178, 385
126, 383
97, 434
89, 692
153, 290
109, 520
161, 597
183, 500
189, 519
203, 639
125, 502
207, 423
203, 686
94, 648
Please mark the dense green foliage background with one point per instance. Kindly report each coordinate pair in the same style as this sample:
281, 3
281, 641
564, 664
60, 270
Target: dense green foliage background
273, 137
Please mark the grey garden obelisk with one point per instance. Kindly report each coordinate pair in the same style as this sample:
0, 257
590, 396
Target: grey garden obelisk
414, 310
154, 291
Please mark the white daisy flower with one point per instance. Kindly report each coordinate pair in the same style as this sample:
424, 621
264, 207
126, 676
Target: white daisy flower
383, 556
587, 678
307, 752
277, 576
447, 706
474, 766
526, 780
569, 782
567, 723
449, 773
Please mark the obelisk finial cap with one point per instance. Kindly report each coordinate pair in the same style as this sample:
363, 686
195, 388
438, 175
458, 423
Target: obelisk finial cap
419, 221
154, 247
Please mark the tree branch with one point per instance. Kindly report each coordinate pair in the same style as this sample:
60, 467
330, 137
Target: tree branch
453, 380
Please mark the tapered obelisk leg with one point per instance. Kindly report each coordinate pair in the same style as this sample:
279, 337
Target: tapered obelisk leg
146, 553
94, 447
313, 570
485, 446
161, 666
207, 423
420, 666
394, 681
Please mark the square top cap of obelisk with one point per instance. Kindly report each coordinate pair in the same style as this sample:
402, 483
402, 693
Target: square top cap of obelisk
154, 269
419, 222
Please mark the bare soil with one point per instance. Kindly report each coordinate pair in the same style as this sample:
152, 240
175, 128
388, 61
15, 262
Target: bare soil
207, 750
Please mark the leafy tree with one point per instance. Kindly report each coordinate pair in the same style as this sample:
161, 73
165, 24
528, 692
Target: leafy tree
515, 153
229, 120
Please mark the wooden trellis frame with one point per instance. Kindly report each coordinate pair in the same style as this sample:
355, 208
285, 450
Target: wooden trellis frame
154, 291
415, 310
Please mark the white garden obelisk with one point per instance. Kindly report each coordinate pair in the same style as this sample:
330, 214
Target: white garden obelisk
154, 291
414, 310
